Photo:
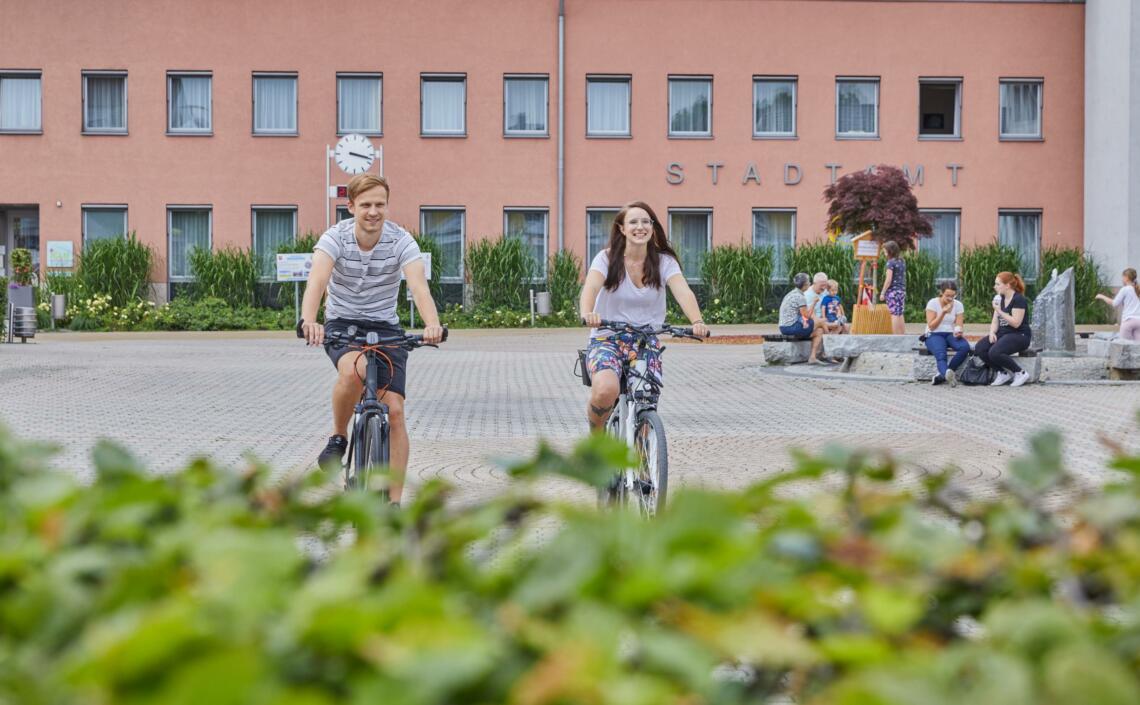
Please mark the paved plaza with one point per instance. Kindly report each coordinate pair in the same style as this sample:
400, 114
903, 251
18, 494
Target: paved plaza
489, 395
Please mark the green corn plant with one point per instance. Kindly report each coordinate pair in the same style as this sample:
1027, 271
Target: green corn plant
229, 274
565, 280
835, 260
738, 278
117, 267
501, 272
977, 267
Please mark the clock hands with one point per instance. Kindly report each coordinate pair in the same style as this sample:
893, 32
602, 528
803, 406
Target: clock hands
362, 156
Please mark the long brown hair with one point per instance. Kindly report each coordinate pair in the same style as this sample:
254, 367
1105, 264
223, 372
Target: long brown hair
1131, 274
1014, 280
658, 245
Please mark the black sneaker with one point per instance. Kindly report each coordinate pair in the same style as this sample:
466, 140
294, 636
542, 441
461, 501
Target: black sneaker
938, 379
333, 452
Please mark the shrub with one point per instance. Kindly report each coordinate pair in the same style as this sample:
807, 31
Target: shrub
1087, 281
738, 277
501, 273
835, 260
978, 266
118, 268
97, 312
211, 313
564, 281
195, 586
21, 263
229, 274
881, 201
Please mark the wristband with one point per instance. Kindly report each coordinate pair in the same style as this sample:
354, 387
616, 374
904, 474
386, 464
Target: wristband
696, 322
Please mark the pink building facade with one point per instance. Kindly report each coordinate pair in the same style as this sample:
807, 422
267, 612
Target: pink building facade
195, 124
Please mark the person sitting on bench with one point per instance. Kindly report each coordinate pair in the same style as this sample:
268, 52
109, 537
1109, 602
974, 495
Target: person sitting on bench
797, 319
944, 317
1009, 331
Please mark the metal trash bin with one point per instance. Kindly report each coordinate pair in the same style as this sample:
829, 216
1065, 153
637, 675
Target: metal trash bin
23, 322
542, 303
58, 306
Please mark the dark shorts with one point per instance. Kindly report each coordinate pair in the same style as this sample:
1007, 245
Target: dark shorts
395, 379
798, 329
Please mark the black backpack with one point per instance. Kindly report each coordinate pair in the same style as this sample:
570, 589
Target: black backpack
975, 373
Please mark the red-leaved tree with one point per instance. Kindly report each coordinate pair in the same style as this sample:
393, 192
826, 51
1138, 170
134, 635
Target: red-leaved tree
880, 201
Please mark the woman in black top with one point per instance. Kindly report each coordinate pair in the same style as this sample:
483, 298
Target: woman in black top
1009, 331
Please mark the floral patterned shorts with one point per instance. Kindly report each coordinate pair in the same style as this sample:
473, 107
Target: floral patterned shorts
607, 353
896, 300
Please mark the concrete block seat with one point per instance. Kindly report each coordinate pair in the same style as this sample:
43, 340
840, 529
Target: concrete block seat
847, 346
1124, 359
925, 367
784, 350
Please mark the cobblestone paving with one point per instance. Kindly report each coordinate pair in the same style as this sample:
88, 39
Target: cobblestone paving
489, 395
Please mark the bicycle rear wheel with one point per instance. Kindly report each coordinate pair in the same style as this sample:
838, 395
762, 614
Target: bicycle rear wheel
652, 485
372, 453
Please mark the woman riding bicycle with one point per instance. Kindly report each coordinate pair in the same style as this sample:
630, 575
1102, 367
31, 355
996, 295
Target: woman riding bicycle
626, 282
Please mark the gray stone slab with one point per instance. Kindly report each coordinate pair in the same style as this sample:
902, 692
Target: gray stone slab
1074, 369
896, 365
854, 345
786, 353
1053, 318
924, 367
1098, 347
1124, 355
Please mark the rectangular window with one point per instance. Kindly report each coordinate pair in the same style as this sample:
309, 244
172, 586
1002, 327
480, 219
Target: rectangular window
359, 103
189, 103
599, 222
774, 107
939, 108
188, 228
105, 102
607, 106
443, 105
530, 225
274, 104
272, 228
775, 228
446, 226
342, 213
21, 102
856, 108
690, 106
1021, 104
1021, 230
525, 101
690, 234
942, 245
104, 222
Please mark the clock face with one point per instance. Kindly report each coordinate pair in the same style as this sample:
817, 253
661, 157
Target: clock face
354, 154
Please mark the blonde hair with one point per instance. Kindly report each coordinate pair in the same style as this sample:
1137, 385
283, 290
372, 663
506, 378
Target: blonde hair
832, 284
1130, 273
364, 182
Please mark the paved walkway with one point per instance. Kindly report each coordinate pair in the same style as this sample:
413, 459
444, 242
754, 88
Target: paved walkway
488, 395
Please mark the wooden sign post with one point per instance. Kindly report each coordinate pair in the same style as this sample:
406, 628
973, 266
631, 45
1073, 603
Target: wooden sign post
868, 317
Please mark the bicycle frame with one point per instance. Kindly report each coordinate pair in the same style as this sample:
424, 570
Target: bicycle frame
638, 393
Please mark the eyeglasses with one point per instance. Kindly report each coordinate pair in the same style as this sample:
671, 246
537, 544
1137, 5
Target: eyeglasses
645, 221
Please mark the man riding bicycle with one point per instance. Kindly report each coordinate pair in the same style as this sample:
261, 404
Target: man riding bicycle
358, 262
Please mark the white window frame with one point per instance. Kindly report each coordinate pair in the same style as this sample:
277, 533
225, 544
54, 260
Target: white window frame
794, 134
88, 130
708, 213
877, 80
84, 208
611, 78
379, 77
1040, 213
170, 210
26, 74
426, 78
605, 241
541, 276
795, 234
685, 78
957, 82
193, 131
462, 239
253, 104
1040, 136
507, 78
253, 211
957, 234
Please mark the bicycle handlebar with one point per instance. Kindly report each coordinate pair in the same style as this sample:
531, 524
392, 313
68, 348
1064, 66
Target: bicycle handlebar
354, 336
623, 327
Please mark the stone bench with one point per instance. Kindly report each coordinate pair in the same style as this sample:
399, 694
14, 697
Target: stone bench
785, 350
1123, 359
848, 346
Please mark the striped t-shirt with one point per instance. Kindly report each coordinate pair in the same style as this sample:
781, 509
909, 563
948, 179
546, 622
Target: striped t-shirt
364, 284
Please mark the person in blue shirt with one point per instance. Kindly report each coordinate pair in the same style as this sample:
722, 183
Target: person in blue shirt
832, 306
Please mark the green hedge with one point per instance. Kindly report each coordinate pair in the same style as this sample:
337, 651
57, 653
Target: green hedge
211, 585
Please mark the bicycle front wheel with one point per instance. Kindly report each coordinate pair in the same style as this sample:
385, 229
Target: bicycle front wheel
372, 452
652, 485
614, 494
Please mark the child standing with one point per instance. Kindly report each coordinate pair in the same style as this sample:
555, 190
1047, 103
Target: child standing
833, 308
894, 288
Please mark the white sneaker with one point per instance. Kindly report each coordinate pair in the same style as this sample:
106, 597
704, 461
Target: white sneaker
952, 378
1020, 378
1003, 377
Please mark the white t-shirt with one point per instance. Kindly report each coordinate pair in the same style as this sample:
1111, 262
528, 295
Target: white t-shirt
1128, 303
947, 324
814, 301
629, 303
